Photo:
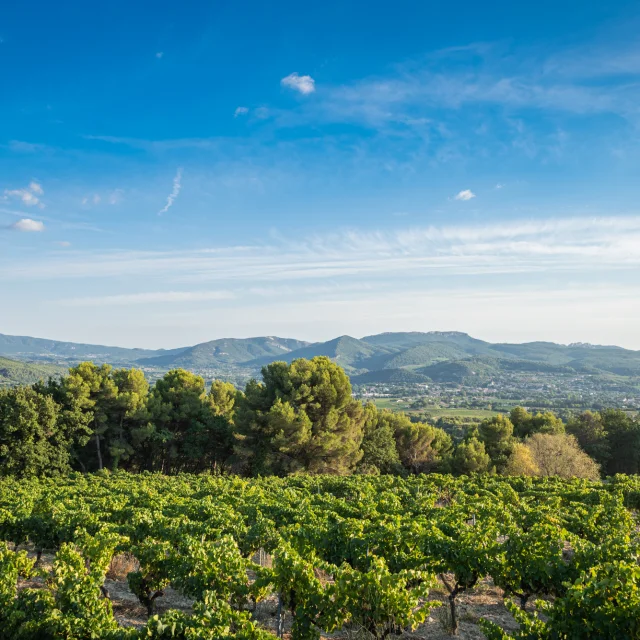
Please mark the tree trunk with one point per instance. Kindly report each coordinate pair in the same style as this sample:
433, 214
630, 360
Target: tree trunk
280, 618
454, 617
98, 451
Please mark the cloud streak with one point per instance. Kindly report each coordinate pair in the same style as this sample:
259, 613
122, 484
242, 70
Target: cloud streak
177, 186
155, 297
579, 245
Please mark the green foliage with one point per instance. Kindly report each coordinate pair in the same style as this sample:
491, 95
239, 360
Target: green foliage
379, 450
526, 424
470, 456
355, 553
497, 436
32, 441
301, 418
14, 372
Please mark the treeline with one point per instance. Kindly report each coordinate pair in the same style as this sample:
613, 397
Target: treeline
301, 418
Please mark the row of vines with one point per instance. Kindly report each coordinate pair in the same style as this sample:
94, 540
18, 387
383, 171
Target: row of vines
358, 552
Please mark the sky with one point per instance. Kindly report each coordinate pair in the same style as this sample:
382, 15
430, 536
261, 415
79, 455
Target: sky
172, 173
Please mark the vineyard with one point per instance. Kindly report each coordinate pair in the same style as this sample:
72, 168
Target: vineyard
346, 557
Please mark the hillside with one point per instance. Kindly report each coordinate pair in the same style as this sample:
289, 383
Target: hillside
348, 352
13, 372
390, 376
227, 351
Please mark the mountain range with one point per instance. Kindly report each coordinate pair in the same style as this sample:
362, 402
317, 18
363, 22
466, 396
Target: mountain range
412, 357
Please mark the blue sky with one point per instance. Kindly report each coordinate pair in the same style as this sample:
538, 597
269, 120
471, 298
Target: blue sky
172, 173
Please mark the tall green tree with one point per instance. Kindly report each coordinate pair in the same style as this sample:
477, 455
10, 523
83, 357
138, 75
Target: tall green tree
623, 438
591, 434
497, 435
302, 417
224, 399
379, 451
525, 424
422, 447
33, 441
128, 423
186, 434
470, 456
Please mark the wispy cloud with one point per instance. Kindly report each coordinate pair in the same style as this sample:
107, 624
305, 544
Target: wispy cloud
303, 84
240, 111
149, 298
160, 54
28, 225
579, 245
177, 186
467, 194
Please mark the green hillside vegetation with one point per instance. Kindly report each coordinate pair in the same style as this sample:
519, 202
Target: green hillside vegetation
227, 351
390, 376
13, 372
346, 351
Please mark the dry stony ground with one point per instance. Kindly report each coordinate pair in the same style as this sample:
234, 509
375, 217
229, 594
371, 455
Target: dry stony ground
485, 601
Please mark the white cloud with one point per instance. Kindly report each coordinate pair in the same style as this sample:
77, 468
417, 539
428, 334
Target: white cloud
159, 54
499, 186
177, 185
28, 225
240, 111
63, 243
303, 84
467, 194
28, 196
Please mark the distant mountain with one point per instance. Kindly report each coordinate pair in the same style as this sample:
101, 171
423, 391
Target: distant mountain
24, 347
348, 352
446, 356
225, 352
13, 372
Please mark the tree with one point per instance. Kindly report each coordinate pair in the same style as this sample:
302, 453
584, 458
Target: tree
470, 457
560, 455
224, 399
32, 441
590, 432
421, 447
128, 425
303, 411
526, 424
89, 390
186, 435
623, 438
497, 435
379, 452
520, 462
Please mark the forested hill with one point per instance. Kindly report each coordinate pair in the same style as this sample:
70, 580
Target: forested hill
445, 356
13, 372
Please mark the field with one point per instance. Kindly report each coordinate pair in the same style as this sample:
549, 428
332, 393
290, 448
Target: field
401, 404
144, 556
